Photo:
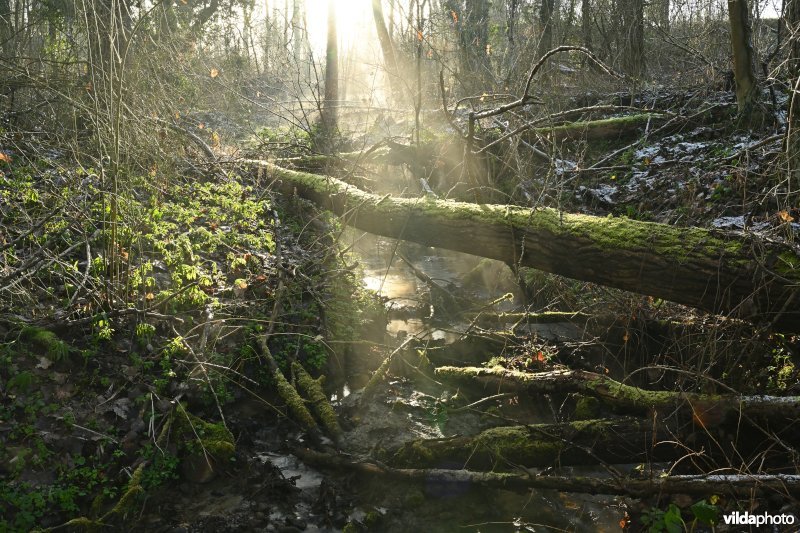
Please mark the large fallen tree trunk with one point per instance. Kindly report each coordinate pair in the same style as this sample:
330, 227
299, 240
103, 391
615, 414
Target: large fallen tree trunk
735, 485
706, 409
705, 269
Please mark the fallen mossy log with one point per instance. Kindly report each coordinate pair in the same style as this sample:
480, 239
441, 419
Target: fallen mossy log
706, 409
603, 128
701, 485
709, 270
539, 445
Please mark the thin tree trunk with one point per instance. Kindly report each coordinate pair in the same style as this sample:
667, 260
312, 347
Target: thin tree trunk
793, 64
633, 37
663, 14
546, 23
298, 31
744, 68
329, 119
6, 30
387, 47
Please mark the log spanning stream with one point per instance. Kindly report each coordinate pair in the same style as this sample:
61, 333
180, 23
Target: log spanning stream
442, 442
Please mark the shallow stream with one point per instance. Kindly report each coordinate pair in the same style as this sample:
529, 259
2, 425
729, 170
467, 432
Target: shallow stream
414, 406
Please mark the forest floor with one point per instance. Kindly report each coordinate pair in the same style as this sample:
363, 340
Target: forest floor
134, 387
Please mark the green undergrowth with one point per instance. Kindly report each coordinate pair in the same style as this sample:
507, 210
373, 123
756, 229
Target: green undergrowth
167, 305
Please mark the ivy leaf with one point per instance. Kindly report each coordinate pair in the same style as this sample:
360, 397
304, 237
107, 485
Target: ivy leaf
705, 512
672, 519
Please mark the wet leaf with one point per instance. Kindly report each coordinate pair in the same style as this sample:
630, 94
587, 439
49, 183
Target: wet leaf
121, 407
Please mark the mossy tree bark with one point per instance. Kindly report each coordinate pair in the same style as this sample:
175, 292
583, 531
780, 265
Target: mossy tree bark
706, 410
701, 485
538, 445
705, 269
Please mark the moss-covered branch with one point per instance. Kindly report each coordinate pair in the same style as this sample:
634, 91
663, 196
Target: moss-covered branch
538, 445
706, 409
601, 128
700, 485
706, 269
312, 390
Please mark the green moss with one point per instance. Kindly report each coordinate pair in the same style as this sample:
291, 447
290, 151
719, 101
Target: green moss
502, 447
586, 408
45, 341
126, 501
214, 438
414, 452
515, 444
312, 390
414, 498
372, 519
605, 233
788, 265
616, 393
612, 122
296, 405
